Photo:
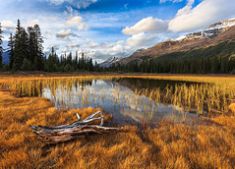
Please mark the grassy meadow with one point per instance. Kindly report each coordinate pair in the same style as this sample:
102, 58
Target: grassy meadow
210, 144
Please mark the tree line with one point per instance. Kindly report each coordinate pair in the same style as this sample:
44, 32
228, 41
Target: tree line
220, 65
25, 51
215, 59
68, 63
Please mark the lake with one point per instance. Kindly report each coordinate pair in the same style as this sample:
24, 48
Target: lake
129, 100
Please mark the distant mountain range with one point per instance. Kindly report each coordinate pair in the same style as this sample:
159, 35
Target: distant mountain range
5, 57
210, 38
215, 34
109, 62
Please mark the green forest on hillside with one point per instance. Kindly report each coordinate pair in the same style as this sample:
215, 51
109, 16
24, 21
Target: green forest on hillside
214, 59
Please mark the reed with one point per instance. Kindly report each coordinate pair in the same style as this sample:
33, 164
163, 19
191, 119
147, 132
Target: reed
205, 95
169, 145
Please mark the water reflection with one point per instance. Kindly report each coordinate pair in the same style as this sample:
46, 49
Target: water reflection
117, 96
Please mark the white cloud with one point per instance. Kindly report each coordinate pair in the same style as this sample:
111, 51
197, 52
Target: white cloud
33, 22
78, 3
58, 2
63, 33
78, 22
204, 14
148, 24
141, 40
7, 25
174, 1
145, 33
85, 3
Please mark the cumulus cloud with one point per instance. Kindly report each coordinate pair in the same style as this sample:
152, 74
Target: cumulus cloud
204, 14
65, 33
78, 22
145, 32
141, 40
8, 25
148, 24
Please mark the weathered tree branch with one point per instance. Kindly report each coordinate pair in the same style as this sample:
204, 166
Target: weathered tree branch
64, 133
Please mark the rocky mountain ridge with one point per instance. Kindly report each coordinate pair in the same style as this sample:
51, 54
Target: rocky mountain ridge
214, 34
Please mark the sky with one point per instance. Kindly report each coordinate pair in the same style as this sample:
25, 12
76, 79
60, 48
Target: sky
107, 28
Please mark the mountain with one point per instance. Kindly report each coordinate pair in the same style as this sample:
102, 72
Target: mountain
213, 35
5, 57
109, 62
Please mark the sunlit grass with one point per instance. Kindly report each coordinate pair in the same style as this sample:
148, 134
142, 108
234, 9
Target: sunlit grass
210, 94
169, 145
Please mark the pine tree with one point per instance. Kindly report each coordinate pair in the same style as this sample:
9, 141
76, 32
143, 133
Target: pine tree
19, 53
52, 61
32, 45
1, 48
25, 46
11, 51
38, 60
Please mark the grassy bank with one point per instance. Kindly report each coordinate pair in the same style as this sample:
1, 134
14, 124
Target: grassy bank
169, 145
207, 94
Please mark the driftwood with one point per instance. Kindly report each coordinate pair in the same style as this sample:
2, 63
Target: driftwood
65, 133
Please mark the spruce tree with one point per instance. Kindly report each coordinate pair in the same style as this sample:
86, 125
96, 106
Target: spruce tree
18, 51
38, 60
32, 46
11, 51
25, 46
52, 61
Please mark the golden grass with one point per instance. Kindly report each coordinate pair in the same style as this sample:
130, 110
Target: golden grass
170, 145
232, 108
212, 94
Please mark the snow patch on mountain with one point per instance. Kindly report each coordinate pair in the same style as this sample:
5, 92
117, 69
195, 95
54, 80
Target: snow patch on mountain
109, 62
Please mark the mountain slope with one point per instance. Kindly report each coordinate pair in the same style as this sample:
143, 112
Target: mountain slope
215, 34
219, 58
109, 62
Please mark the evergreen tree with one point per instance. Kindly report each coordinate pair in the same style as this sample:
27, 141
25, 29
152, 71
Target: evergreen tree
24, 46
26, 65
35, 47
38, 60
32, 45
11, 51
52, 63
20, 47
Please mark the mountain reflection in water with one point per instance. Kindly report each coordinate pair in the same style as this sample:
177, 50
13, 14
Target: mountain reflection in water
118, 97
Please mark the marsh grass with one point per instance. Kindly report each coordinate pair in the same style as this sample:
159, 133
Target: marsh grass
169, 145
207, 98
206, 94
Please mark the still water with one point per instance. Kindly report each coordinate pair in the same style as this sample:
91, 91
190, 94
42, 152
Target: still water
118, 97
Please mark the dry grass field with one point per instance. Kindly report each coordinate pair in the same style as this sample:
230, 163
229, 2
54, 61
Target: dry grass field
169, 145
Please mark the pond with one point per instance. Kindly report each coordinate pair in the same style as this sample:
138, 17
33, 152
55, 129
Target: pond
129, 100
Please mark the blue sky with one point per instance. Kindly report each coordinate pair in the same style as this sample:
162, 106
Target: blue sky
105, 28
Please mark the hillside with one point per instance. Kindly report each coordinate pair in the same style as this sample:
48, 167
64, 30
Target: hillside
215, 34
109, 62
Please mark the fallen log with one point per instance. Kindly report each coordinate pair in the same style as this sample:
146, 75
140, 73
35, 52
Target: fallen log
63, 133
